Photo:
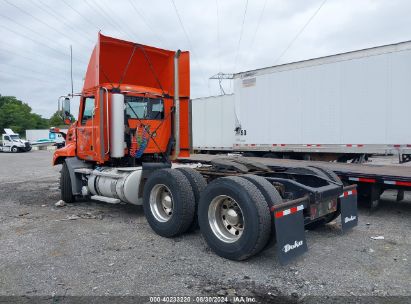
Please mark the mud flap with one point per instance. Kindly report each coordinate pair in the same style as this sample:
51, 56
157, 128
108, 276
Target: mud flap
290, 233
348, 206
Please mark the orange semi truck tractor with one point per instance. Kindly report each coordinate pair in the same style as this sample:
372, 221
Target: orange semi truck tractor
131, 144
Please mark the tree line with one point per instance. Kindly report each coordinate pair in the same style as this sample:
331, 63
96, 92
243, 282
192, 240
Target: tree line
18, 116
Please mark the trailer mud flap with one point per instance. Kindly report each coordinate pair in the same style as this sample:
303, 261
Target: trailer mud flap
348, 206
290, 233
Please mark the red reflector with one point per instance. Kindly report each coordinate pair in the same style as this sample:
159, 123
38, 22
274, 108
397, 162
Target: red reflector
366, 180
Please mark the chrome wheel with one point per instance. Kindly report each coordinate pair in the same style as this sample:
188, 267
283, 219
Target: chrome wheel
226, 218
161, 203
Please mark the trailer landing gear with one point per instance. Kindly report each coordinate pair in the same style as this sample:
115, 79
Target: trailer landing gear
369, 195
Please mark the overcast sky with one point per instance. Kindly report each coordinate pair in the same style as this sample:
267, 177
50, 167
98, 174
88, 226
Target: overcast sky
36, 36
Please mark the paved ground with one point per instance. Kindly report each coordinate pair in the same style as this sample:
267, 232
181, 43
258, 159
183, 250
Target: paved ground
111, 250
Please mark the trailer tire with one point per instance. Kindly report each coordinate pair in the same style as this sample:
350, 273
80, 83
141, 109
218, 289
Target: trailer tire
65, 185
251, 216
14, 149
168, 202
198, 184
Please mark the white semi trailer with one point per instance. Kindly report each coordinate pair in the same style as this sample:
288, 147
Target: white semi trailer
343, 107
219, 134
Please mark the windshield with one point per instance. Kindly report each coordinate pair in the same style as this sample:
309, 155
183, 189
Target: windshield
14, 137
144, 108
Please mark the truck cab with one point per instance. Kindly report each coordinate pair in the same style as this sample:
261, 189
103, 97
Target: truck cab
127, 111
11, 142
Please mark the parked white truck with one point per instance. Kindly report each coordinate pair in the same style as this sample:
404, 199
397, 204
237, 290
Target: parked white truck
343, 106
44, 137
11, 142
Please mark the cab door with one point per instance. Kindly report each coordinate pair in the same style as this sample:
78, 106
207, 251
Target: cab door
86, 130
7, 141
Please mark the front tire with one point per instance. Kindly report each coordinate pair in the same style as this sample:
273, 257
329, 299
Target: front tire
168, 202
234, 218
65, 185
14, 149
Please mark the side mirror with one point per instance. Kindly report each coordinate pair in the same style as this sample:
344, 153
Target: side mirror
66, 108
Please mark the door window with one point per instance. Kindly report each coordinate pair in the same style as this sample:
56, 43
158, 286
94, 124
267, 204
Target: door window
88, 109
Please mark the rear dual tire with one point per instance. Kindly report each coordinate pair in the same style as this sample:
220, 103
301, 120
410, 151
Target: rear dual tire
233, 212
168, 202
234, 218
198, 184
271, 195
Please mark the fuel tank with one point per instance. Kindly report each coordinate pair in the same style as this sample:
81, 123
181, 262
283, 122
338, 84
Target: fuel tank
117, 183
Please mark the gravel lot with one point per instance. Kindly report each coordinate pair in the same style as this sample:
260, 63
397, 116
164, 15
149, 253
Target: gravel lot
111, 250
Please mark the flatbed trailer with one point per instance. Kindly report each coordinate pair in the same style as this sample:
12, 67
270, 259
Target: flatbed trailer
372, 180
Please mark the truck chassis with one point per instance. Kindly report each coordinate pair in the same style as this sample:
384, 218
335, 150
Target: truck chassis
240, 205
371, 180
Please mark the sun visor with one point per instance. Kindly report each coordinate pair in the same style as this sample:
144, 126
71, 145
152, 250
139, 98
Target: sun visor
114, 61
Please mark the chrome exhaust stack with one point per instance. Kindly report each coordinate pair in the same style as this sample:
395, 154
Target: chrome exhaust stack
176, 151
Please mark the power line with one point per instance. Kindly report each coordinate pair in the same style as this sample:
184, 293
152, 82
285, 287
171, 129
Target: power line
256, 29
35, 41
181, 24
119, 25
300, 32
99, 12
126, 28
59, 18
37, 19
36, 59
218, 37
189, 41
31, 30
4, 74
146, 22
26, 68
81, 15
241, 36
112, 21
